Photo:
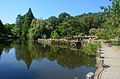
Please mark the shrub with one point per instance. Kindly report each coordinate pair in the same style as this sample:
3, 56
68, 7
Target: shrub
90, 48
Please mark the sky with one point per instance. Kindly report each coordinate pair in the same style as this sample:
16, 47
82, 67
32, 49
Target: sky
9, 9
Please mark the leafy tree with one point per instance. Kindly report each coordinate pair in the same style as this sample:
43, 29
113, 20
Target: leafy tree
36, 29
63, 16
54, 21
112, 23
88, 21
11, 30
15, 30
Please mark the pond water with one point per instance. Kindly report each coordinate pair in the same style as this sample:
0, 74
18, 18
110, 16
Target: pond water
37, 61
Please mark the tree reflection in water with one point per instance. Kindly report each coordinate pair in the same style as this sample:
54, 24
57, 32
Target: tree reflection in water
63, 56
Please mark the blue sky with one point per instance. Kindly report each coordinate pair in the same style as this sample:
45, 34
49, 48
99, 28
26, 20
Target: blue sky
9, 9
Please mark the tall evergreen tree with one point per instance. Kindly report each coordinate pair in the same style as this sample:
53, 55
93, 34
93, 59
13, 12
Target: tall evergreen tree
1, 25
19, 24
26, 22
2, 30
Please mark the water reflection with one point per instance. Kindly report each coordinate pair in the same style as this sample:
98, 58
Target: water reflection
55, 58
64, 56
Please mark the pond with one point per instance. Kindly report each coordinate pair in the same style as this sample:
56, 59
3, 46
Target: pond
20, 60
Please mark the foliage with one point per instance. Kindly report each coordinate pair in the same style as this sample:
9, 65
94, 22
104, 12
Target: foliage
54, 21
11, 30
26, 22
112, 23
2, 32
64, 17
64, 25
54, 35
116, 43
102, 34
19, 25
69, 28
90, 20
90, 48
36, 29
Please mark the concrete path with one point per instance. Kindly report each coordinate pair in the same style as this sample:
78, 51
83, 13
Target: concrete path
111, 63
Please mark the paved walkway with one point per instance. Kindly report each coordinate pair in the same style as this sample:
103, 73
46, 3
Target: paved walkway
110, 69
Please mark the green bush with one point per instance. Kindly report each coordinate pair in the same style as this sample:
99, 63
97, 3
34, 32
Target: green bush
54, 35
90, 48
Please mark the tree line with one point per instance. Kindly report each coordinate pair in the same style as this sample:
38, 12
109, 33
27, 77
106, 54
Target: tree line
105, 25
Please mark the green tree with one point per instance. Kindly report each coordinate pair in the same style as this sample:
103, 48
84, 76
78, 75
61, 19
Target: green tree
2, 31
26, 22
19, 25
10, 30
69, 28
88, 21
112, 23
54, 21
63, 16
38, 30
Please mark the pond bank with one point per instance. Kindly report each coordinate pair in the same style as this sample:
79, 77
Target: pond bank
108, 63
73, 42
